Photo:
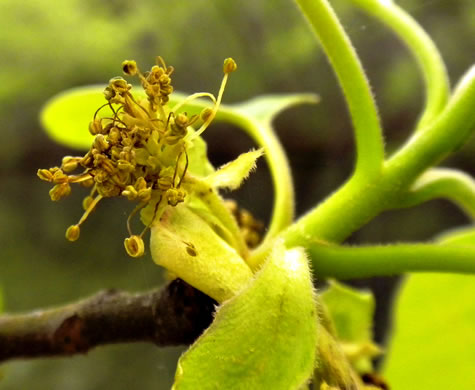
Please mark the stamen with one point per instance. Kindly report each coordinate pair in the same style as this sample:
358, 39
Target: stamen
229, 66
193, 97
132, 214
91, 207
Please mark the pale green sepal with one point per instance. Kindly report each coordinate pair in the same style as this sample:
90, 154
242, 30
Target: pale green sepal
352, 314
232, 174
263, 338
186, 245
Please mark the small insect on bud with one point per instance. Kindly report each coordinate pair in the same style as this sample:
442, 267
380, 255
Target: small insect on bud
72, 233
45, 174
95, 127
229, 66
134, 246
206, 113
129, 67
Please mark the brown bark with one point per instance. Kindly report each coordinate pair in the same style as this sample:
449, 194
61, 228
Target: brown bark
176, 314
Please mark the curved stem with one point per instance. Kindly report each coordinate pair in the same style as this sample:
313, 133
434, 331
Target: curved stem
450, 184
368, 133
360, 262
451, 129
422, 48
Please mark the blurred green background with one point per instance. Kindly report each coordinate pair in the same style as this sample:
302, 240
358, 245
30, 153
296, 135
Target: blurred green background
46, 47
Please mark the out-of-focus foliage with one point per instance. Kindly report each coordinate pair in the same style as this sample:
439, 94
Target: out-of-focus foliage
433, 342
46, 47
352, 314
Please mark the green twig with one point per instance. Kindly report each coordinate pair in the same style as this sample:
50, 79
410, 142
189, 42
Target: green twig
345, 62
451, 129
445, 183
422, 48
360, 262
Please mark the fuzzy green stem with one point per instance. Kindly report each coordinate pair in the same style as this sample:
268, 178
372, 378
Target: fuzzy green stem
264, 136
422, 48
345, 62
451, 129
450, 184
361, 262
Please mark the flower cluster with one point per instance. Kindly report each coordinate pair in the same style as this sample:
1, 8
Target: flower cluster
139, 149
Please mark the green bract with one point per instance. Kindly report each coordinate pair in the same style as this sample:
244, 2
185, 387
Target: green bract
263, 338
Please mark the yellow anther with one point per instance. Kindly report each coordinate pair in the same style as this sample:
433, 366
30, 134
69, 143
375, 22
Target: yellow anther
206, 113
100, 143
95, 127
175, 196
69, 164
145, 195
130, 193
59, 191
45, 174
130, 67
229, 65
134, 246
86, 202
72, 233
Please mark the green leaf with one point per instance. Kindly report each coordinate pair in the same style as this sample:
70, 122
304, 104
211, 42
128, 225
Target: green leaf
66, 116
232, 174
433, 343
352, 312
186, 245
263, 338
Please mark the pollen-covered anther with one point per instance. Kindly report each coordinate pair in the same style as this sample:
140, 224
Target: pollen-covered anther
206, 113
229, 65
175, 196
145, 194
87, 201
119, 85
72, 232
130, 67
59, 177
95, 127
59, 191
130, 193
70, 164
100, 143
45, 174
89, 182
134, 246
